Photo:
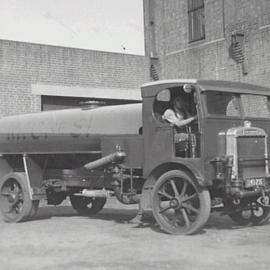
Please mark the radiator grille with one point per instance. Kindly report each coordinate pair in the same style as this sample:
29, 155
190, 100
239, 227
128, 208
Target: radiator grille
251, 146
251, 157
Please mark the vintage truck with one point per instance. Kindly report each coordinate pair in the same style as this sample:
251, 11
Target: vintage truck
131, 152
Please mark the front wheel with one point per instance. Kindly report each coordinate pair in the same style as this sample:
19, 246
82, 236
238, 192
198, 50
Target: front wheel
87, 206
15, 202
252, 214
179, 205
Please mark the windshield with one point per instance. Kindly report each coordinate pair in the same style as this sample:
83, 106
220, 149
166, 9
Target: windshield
230, 104
255, 106
220, 103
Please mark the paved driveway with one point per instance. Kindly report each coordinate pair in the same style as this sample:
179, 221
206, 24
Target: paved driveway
60, 239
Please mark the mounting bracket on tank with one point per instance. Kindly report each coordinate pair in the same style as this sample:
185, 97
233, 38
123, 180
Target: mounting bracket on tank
34, 178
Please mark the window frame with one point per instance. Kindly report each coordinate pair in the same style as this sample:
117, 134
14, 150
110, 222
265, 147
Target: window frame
196, 34
240, 104
223, 116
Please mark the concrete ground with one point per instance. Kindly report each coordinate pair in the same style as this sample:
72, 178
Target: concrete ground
60, 239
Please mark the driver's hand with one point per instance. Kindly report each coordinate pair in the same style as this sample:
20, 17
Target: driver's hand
195, 117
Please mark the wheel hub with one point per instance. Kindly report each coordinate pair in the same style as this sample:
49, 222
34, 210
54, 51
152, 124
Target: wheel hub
175, 203
13, 197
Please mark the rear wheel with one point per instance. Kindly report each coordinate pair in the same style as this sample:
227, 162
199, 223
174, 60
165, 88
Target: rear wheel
15, 202
87, 206
179, 205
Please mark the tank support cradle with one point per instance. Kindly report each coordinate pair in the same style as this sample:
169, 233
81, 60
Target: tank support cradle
34, 178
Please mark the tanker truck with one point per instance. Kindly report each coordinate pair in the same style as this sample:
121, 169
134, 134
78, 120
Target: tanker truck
218, 162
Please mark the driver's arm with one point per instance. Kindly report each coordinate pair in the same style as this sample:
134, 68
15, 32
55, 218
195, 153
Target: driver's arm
184, 122
170, 116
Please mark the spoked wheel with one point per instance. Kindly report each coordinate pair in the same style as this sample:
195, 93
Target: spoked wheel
179, 205
87, 206
15, 202
252, 214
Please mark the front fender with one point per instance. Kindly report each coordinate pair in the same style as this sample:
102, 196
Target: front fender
184, 165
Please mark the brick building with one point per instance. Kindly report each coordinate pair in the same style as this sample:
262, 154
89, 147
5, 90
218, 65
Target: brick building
209, 39
35, 77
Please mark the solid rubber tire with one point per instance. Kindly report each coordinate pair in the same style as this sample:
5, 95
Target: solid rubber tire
204, 197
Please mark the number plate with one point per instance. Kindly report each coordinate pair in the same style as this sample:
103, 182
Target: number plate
254, 182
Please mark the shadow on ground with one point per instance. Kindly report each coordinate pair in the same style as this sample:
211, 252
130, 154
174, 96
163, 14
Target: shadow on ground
117, 215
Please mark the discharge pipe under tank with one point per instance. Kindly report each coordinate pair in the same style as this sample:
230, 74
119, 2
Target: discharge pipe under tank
117, 157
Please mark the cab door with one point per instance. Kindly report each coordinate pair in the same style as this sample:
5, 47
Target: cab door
158, 137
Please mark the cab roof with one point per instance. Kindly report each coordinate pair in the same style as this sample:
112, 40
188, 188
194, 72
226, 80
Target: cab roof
152, 88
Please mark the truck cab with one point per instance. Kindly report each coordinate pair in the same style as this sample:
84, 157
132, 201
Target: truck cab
220, 107
225, 151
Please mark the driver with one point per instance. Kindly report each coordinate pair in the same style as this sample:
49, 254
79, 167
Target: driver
178, 116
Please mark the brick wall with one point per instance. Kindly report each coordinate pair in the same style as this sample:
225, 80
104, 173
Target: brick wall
23, 64
212, 57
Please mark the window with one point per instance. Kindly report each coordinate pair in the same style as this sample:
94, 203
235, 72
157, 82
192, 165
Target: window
224, 104
164, 100
255, 106
228, 104
161, 104
164, 95
196, 20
